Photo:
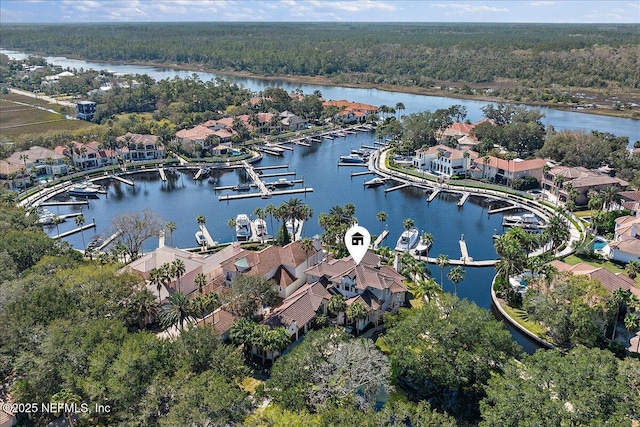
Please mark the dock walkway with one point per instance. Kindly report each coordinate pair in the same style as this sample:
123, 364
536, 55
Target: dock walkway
74, 231
256, 179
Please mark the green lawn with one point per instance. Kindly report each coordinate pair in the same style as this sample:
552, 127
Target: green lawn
522, 318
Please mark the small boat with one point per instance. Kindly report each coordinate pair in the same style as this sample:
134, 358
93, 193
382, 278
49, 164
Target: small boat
95, 242
375, 182
360, 152
340, 134
407, 240
351, 158
86, 189
423, 247
46, 217
242, 187
281, 183
261, 227
243, 227
526, 221
200, 239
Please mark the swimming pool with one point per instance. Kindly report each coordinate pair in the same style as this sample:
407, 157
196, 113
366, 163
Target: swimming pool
599, 245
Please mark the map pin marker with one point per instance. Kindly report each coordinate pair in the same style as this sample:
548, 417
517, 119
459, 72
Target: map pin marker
357, 240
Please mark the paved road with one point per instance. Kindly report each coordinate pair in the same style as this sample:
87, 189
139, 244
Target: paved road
43, 97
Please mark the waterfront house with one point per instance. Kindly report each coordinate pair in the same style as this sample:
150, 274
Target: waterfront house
284, 265
379, 287
504, 171
630, 200
135, 146
581, 179
88, 156
191, 138
463, 134
290, 121
625, 245
351, 112
611, 281
37, 162
444, 161
268, 123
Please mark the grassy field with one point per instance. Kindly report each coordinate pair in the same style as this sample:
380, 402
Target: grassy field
19, 115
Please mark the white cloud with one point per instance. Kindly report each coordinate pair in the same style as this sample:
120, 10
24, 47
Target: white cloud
543, 3
462, 8
636, 5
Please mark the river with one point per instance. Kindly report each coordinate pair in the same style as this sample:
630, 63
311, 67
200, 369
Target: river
182, 199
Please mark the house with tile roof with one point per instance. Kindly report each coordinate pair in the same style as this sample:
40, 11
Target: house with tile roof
611, 281
463, 134
504, 171
444, 161
16, 170
351, 112
581, 179
379, 287
630, 200
625, 245
189, 138
221, 320
137, 146
284, 265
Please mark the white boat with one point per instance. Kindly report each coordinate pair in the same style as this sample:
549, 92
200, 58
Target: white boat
261, 227
200, 239
243, 227
294, 228
375, 182
281, 183
407, 240
423, 247
352, 158
527, 221
86, 189
242, 187
46, 217
360, 152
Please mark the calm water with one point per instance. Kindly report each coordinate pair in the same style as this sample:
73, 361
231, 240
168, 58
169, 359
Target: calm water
182, 200
561, 120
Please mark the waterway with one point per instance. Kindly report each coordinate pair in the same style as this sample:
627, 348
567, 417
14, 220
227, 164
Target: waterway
182, 199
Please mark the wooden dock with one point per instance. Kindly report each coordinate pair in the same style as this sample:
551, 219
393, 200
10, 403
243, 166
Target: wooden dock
262, 168
380, 238
123, 180
284, 147
353, 164
300, 142
207, 236
256, 178
198, 174
69, 203
398, 187
433, 196
163, 176
271, 175
74, 231
109, 240
464, 198
362, 173
272, 193
463, 250
505, 209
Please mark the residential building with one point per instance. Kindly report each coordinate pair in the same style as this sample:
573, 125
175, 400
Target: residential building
268, 123
140, 147
290, 121
88, 156
463, 134
197, 135
611, 281
37, 162
581, 179
85, 110
625, 246
284, 265
351, 112
503, 171
379, 287
444, 161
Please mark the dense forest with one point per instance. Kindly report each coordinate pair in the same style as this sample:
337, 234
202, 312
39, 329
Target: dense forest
534, 55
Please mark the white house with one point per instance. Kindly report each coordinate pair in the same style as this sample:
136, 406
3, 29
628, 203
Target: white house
625, 246
444, 161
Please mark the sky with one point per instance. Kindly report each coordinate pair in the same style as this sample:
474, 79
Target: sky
61, 11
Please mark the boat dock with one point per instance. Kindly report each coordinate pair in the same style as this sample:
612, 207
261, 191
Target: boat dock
163, 176
74, 231
369, 147
262, 168
109, 240
271, 150
380, 238
299, 142
361, 173
198, 174
505, 209
271, 175
433, 195
353, 164
284, 147
463, 250
207, 236
272, 193
69, 203
398, 187
256, 178
464, 198
69, 215
124, 180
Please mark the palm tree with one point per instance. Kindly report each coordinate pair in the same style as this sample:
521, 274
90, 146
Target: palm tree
201, 220
427, 238
456, 275
557, 230
24, 158
338, 305
428, 288
610, 196
633, 268
620, 299
408, 224
631, 324
357, 311
178, 270
67, 399
508, 157
171, 226
557, 181
442, 261
80, 223
399, 107
57, 221
178, 311
260, 214
200, 281
306, 244
485, 162
231, 223
155, 277
278, 339
381, 216
270, 210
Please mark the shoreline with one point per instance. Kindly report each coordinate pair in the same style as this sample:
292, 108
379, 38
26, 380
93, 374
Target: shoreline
326, 81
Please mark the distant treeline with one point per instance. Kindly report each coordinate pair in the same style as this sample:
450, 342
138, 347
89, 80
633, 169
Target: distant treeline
537, 55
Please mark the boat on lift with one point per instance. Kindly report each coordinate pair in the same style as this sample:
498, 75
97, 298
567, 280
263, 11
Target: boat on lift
408, 240
261, 227
86, 189
375, 182
527, 221
200, 239
352, 158
243, 227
